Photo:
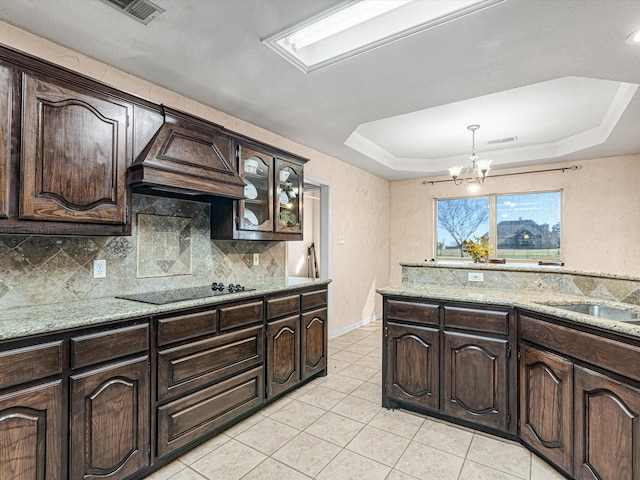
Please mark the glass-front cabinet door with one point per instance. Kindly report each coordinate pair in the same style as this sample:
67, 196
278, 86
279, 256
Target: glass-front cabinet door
256, 212
288, 197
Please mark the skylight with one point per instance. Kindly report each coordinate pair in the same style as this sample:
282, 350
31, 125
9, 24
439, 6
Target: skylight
358, 26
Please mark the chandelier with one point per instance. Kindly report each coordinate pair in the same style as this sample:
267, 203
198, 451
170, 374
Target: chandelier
478, 168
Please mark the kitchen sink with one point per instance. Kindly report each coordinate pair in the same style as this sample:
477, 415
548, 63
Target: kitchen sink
602, 311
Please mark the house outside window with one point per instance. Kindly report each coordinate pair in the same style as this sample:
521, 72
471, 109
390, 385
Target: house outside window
525, 227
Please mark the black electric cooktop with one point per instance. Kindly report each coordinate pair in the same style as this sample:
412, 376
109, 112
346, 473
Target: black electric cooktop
181, 294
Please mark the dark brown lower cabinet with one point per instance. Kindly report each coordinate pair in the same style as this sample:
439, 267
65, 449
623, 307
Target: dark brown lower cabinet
607, 423
283, 354
413, 363
31, 433
546, 405
193, 416
313, 345
109, 421
475, 382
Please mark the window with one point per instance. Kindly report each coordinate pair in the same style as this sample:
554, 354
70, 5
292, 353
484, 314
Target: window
519, 226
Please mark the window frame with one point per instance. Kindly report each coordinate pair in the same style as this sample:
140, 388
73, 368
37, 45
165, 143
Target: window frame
493, 225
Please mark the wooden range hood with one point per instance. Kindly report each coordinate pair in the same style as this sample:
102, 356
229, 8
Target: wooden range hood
187, 156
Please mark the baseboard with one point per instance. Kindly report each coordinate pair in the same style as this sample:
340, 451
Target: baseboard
353, 326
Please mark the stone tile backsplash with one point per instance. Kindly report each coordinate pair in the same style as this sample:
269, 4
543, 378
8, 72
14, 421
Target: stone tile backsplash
169, 247
592, 285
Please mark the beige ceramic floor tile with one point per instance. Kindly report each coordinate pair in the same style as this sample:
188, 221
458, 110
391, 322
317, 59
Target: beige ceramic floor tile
360, 349
267, 436
371, 340
321, 397
335, 429
369, 362
359, 372
508, 457
187, 474
376, 378
377, 353
369, 391
357, 409
231, 461
336, 366
427, 463
339, 344
541, 470
445, 436
397, 422
475, 471
351, 466
342, 383
379, 445
347, 357
165, 473
238, 428
202, 450
398, 475
307, 454
298, 414
275, 406
271, 469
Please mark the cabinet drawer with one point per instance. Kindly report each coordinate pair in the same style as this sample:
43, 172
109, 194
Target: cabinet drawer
189, 325
412, 312
195, 415
609, 354
282, 306
240, 315
189, 366
108, 345
477, 320
30, 363
314, 299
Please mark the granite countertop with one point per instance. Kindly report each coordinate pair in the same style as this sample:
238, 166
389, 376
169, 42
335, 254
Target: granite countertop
25, 321
540, 302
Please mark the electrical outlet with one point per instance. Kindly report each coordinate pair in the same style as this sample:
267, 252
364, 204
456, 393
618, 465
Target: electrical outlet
256, 259
99, 268
476, 277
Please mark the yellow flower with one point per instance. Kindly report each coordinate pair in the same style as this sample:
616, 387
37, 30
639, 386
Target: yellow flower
478, 249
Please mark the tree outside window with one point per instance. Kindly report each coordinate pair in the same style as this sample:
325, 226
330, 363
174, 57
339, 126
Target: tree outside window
520, 226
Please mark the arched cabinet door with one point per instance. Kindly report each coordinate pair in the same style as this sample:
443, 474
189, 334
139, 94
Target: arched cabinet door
31, 433
475, 379
314, 342
283, 354
607, 422
73, 161
110, 421
412, 373
546, 405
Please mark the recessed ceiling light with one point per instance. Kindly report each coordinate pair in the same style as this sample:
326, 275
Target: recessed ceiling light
634, 38
357, 26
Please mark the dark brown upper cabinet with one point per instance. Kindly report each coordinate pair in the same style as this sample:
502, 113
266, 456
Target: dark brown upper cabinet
73, 154
272, 207
5, 138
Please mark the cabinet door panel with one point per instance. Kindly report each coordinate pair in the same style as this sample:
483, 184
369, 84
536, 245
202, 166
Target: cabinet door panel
288, 197
546, 405
413, 364
314, 342
607, 442
73, 160
475, 379
5, 139
283, 354
256, 211
31, 433
110, 421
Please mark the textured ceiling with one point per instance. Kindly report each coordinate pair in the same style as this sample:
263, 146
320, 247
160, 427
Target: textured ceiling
211, 51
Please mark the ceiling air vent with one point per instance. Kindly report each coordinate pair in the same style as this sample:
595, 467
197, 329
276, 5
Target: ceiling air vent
502, 140
142, 10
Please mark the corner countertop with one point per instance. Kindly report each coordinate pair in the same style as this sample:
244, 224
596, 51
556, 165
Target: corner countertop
540, 302
24, 321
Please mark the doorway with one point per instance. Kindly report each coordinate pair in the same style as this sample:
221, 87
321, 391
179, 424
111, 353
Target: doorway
310, 257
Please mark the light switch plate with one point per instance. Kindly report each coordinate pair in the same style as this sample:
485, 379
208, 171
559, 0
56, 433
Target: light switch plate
476, 277
99, 268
